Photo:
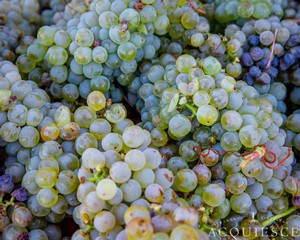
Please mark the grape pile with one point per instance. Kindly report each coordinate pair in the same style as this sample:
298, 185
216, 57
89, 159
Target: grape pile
149, 119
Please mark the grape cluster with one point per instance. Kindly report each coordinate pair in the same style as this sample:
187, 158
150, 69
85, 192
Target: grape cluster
149, 119
227, 11
19, 21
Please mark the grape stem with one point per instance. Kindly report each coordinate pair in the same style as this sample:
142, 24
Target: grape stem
198, 10
276, 217
191, 108
272, 49
4, 206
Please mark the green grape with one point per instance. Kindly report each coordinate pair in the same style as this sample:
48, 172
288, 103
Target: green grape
46, 35
67, 182
36, 52
262, 9
211, 66
197, 40
273, 188
83, 55
116, 113
96, 100
161, 24
136, 212
206, 82
47, 197
62, 116
57, 55
190, 19
184, 232
29, 137
104, 221
50, 163
219, 98
46, 177
236, 183
106, 189
213, 195
148, 13
117, 34
252, 169
280, 205
62, 38
84, 116
245, 9
231, 120
29, 183
92, 158
222, 211
207, 115
99, 128
92, 70
185, 180
99, 54
135, 159
10, 132
139, 228
185, 63
240, 203
85, 141
249, 136
179, 125
120, 172
131, 17
127, 51
112, 141
107, 19
84, 37
25, 64
153, 157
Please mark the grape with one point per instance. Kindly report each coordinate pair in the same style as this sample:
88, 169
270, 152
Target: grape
46, 177
207, 115
213, 195
236, 183
179, 125
104, 221
47, 197
240, 203
106, 189
184, 231
185, 180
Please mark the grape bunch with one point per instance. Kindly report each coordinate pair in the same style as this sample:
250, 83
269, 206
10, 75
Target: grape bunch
19, 21
149, 119
239, 11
